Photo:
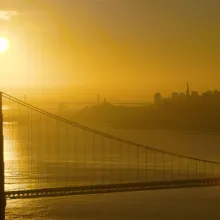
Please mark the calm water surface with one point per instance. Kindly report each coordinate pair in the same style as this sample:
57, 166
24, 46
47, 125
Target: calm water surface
164, 204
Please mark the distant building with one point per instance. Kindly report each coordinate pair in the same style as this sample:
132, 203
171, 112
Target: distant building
207, 96
182, 96
105, 101
175, 96
216, 95
166, 101
209, 92
187, 91
216, 92
157, 98
194, 95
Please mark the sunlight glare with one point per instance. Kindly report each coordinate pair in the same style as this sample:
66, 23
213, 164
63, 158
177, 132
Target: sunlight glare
3, 44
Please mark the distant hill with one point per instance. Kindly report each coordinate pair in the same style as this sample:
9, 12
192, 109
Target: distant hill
188, 116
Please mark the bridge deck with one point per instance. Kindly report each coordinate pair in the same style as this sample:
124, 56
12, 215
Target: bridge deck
110, 188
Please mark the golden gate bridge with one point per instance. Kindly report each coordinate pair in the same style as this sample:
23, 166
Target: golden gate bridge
44, 155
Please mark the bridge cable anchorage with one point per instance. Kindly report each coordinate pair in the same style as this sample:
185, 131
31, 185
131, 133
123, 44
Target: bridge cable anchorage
48, 155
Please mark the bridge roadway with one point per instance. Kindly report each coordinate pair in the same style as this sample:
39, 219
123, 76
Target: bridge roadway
111, 188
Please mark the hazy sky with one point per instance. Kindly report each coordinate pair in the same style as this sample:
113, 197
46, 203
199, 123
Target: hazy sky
130, 46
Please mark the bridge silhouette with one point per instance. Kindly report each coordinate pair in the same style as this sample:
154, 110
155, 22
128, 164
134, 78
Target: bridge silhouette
46, 155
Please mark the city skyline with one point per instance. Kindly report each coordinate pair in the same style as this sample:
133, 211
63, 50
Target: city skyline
189, 93
103, 45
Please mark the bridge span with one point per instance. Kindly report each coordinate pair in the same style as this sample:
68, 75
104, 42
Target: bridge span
46, 155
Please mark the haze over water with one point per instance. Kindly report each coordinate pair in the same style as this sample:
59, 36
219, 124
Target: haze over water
127, 49
57, 53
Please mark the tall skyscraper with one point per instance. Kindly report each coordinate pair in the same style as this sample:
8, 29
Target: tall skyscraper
187, 90
157, 98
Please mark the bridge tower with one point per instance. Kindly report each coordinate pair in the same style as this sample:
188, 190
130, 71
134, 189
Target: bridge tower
2, 173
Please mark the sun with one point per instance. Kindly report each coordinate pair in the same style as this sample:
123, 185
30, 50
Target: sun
3, 44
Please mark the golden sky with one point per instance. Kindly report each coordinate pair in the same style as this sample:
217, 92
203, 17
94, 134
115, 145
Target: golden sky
112, 46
